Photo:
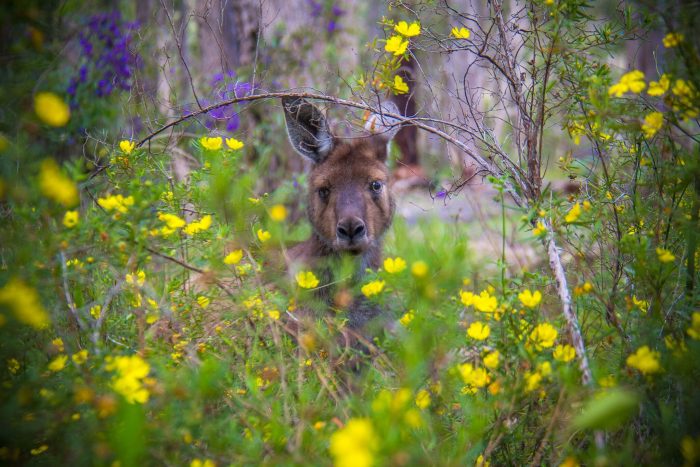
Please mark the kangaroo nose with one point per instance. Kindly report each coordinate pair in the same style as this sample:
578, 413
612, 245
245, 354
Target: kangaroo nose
350, 229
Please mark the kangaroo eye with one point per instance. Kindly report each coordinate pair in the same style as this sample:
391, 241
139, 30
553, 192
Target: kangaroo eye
376, 186
323, 193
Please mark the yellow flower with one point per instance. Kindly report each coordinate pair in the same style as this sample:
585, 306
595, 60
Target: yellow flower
530, 299
461, 33
690, 448
665, 256
38, 450
70, 219
643, 305
672, 39
480, 461
138, 278
234, 257
278, 213
491, 360
96, 311
131, 371
234, 144
203, 301
629, 82
274, 314
478, 330
25, 304
306, 279
645, 360
396, 45
212, 143
58, 363
479, 378
80, 357
13, 365
419, 269
540, 229
467, 298
202, 463
573, 214
56, 186
485, 302
694, 329
407, 317
543, 336
407, 30
372, 288
171, 220
51, 109
564, 353
652, 124
263, 235
659, 88
423, 399
116, 203
394, 265
58, 344
198, 226
355, 444
127, 146
570, 462
532, 381
400, 86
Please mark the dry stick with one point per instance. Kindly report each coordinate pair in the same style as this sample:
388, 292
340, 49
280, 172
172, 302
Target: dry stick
66, 291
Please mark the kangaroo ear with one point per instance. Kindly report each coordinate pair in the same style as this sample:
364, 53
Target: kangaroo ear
307, 129
382, 127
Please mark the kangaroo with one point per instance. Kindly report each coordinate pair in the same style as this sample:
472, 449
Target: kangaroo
350, 205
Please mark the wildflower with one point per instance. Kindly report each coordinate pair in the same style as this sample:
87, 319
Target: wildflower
419, 269
396, 45
39, 450
407, 30
234, 144
479, 378
58, 363
461, 33
485, 302
564, 353
234, 257
643, 305
543, 336
532, 380
629, 82
306, 279
530, 299
116, 203
423, 399
203, 301
211, 143
274, 314
372, 288
131, 372
127, 146
407, 317
659, 88
263, 235
195, 227
137, 278
355, 444
13, 366
202, 463
80, 357
690, 448
481, 462
652, 124
57, 343
694, 329
665, 256
478, 330
573, 214
645, 360
278, 213
55, 185
672, 39
539, 229
467, 298
70, 219
24, 303
51, 109
394, 265
400, 86
491, 360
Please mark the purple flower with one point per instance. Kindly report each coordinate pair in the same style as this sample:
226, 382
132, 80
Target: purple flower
316, 8
337, 11
332, 26
441, 194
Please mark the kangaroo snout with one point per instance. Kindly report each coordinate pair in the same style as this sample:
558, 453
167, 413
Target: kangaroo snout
351, 230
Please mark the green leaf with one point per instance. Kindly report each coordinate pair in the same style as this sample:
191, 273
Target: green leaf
608, 410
